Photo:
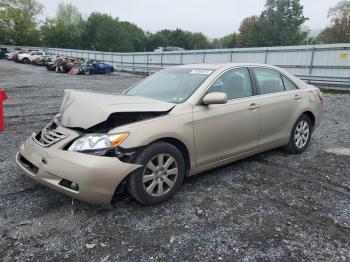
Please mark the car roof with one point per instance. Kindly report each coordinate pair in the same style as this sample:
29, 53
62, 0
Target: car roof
215, 66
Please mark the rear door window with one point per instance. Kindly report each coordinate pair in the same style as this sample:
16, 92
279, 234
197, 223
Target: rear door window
269, 81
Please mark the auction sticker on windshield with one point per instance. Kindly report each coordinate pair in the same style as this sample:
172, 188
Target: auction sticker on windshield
201, 72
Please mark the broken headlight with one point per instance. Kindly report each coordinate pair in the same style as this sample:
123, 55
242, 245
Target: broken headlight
97, 144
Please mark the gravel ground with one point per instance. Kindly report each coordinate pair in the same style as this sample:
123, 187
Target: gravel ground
269, 207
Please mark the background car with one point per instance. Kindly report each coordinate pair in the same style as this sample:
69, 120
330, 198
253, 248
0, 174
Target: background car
3, 52
42, 60
168, 49
159, 49
14, 55
11, 52
95, 67
27, 58
63, 64
173, 48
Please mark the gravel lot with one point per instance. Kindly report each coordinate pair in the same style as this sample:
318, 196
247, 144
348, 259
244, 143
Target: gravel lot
270, 207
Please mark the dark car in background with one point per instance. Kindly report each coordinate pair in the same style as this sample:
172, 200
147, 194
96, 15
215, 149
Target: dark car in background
91, 67
3, 52
96, 67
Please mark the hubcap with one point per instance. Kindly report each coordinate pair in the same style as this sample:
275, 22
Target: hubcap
160, 175
301, 134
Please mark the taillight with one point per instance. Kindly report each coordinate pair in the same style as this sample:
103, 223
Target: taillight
320, 96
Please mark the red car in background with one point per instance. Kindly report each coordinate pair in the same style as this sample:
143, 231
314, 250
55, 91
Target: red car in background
14, 56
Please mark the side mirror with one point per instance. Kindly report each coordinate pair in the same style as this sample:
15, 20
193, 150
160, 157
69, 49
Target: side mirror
215, 98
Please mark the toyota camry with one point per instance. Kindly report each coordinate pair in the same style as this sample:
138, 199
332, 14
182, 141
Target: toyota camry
176, 123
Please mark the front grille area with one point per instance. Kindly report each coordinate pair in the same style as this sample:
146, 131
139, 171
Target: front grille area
49, 136
28, 165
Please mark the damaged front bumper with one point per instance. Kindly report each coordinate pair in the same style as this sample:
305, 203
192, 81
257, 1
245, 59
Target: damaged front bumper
89, 178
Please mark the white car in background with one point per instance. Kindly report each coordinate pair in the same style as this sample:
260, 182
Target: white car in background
27, 58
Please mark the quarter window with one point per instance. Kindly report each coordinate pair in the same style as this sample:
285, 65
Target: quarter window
235, 83
288, 84
269, 81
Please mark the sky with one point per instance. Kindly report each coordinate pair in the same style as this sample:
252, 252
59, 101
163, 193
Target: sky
214, 18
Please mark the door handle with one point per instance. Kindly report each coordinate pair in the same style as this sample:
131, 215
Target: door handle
297, 97
253, 106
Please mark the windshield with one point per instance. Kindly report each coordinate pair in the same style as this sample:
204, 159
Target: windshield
173, 85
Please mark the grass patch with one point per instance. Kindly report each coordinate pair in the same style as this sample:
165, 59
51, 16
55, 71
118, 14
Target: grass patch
335, 91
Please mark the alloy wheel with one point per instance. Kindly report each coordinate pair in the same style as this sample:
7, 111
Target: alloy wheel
160, 175
301, 134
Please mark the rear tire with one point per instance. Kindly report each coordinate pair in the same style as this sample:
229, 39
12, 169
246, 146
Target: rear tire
25, 61
300, 136
160, 177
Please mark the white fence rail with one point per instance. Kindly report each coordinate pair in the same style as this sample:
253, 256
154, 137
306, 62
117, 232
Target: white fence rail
327, 64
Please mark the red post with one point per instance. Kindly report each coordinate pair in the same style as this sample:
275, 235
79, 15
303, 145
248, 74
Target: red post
3, 97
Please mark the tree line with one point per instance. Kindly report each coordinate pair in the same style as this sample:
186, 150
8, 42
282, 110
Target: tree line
281, 23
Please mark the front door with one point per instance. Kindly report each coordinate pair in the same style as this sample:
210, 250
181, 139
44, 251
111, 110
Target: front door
223, 131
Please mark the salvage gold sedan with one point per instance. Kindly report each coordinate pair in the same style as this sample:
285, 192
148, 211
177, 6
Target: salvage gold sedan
176, 123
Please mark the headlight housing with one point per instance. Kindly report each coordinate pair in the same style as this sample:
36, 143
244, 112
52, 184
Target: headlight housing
97, 144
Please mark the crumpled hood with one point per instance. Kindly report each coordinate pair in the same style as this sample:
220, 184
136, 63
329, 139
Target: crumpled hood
84, 109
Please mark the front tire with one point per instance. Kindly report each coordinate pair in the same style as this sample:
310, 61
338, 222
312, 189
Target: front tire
160, 177
25, 61
300, 136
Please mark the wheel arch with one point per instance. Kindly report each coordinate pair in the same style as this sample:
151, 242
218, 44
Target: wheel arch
179, 145
311, 116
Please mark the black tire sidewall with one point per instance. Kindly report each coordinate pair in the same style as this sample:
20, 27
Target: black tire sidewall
292, 145
135, 182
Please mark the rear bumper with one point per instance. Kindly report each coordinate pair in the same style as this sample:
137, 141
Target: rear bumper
97, 177
319, 114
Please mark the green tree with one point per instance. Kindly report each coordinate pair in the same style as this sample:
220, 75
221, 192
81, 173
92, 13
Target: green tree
111, 36
231, 41
105, 33
228, 41
18, 22
197, 41
215, 43
339, 30
340, 10
156, 40
280, 24
249, 32
136, 36
65, 29
179, 38
91, 28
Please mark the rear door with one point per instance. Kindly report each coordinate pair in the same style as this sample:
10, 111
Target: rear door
278, 99
223, 131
